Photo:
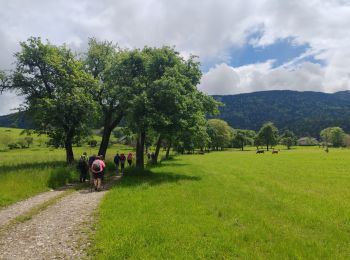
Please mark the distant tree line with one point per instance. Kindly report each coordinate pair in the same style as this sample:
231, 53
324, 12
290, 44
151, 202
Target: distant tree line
221, 136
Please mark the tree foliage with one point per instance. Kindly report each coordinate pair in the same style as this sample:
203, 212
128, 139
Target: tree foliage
242, 137
267, 135
55, 87
333, 136
220, 133
288, 139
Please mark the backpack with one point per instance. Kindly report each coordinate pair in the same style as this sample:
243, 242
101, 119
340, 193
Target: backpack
96, 166
116, 159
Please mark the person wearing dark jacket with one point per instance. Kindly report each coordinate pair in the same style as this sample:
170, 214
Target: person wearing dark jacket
122, 159
116, 162
83, 168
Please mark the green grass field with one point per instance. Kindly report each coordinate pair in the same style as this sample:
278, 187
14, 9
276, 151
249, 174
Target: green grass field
26, 172
294, 205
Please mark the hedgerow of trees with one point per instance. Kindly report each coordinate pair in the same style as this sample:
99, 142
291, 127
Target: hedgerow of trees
154, 90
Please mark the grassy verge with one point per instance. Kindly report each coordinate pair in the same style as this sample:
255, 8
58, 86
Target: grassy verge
231, 205
21, 184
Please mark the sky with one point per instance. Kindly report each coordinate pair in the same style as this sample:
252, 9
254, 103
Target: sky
243, 45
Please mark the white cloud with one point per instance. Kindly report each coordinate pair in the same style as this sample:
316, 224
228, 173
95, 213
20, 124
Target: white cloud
224, 79
204, 27
8, 102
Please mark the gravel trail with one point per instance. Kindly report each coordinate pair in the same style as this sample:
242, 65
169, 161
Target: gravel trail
11, 212
59, 232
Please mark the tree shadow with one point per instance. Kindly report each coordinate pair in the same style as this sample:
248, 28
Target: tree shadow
32, 166
135, 177
172, 161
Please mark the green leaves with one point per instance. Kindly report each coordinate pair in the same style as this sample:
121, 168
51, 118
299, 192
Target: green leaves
56, 88
220, 133
333, 136
267, 135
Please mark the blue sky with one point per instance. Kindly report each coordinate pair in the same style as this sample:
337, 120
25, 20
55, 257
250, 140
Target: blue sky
281, 52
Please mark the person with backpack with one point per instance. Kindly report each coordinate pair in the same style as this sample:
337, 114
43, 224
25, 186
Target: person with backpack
116, 162
91, 159
97, 169
83, 168
130, 159
122, 162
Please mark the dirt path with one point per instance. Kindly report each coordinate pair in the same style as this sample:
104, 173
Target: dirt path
59, 232
11, 212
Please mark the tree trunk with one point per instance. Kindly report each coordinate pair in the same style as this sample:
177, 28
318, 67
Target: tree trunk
267, 146
168, 150
109, 125
69, 150
140, 145
156, 154
105, 141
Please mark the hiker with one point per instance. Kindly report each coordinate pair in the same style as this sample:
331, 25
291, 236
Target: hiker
149, 156
116, 161
122, 162
130, 159
92, 158
83, 168
97, 169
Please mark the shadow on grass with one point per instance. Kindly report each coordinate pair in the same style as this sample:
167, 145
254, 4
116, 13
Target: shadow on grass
172, 161
136, 177
32, 166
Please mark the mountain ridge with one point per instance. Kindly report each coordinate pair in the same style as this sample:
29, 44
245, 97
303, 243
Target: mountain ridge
304, 112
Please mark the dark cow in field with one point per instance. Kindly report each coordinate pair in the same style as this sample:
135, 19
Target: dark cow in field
260, 151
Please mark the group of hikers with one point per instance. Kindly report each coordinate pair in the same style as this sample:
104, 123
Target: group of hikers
95, 165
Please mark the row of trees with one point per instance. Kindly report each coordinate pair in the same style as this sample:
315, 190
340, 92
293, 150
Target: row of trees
153, 90
222, 135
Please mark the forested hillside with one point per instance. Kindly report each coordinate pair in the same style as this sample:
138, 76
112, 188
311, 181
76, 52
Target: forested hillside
305, 113
18, 120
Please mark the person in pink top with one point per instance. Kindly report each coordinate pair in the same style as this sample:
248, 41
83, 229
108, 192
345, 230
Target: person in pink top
97, 169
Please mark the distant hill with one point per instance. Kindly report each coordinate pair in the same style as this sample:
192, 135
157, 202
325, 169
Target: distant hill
305, 113
18, 120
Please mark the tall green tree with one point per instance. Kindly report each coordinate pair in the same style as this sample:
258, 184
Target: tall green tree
267, 135
165, 98
220, 133
56, 90
178, 105
333, 135
98, 62
242, 138
147, 109
116, 70
288, 139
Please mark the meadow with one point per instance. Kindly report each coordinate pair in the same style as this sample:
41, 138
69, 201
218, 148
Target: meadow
228, 204
231, 204
29, 171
